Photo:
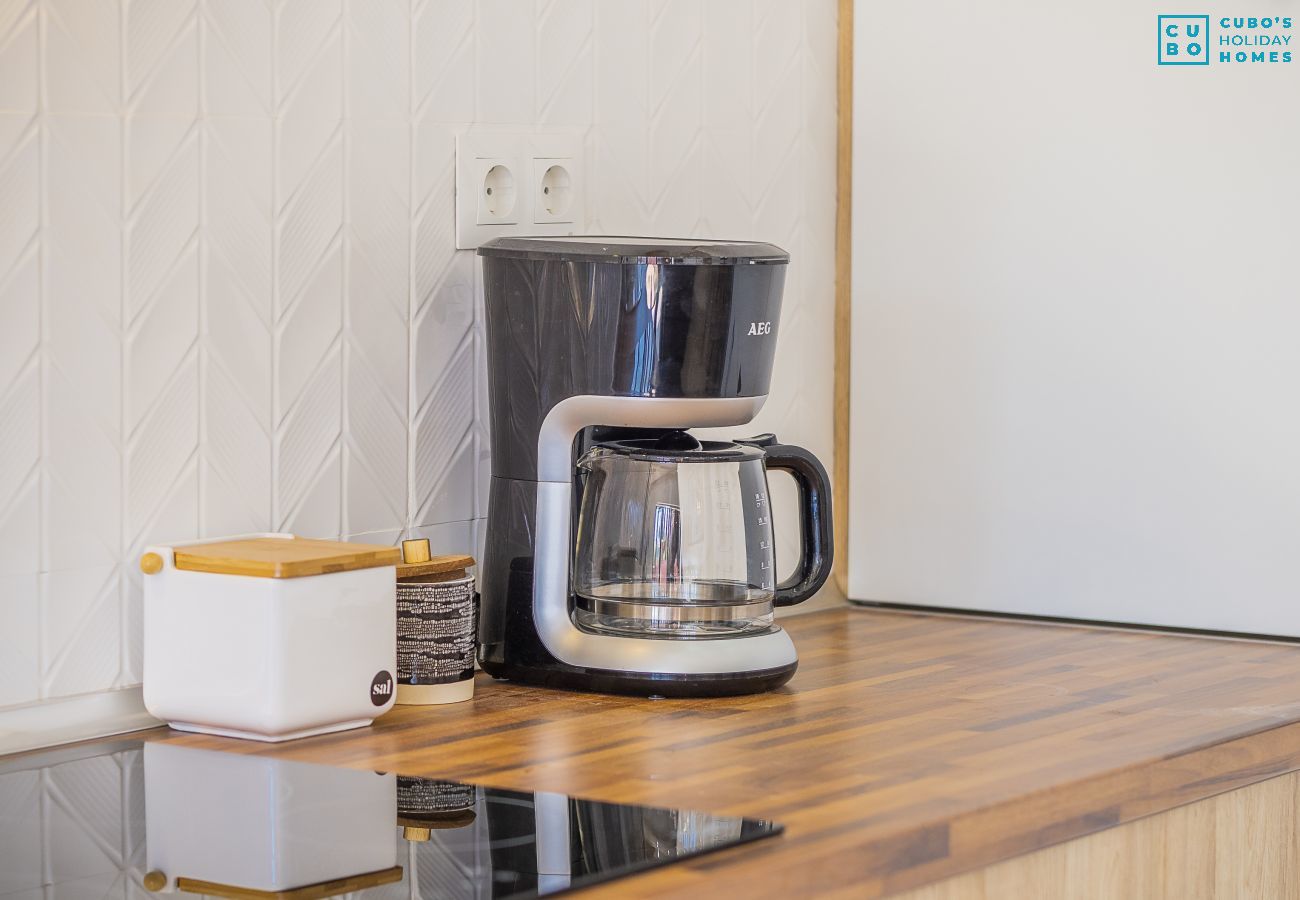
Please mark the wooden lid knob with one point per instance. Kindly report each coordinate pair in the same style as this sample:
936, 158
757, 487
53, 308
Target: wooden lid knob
416, 551
151, 564
155, 880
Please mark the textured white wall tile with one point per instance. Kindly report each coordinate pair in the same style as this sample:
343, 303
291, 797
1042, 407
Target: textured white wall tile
444, 464
448, 537
618, 157
81, 630
161, 64
19, 187
377, 315
726, 202
442, 394
18, 534
726, 205
442, 328
482, 436
676, 116
442, 58
565, 89
237, 324
618, 163
308, 414
378, 47
388, 536
20, 676
19, 56
82, 56
237, 57
505, 64
308, 370
622, 63
82, 352
19, 342
728, 63
309, 58
160, 367
230, 298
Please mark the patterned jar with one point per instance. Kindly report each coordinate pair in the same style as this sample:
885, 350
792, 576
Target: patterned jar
437, 627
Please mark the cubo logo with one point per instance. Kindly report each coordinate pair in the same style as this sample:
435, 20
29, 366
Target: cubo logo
1184, 41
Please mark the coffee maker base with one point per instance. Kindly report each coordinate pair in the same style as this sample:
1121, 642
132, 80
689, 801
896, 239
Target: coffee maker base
601, 681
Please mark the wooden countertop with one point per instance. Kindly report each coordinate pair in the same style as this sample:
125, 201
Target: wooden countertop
907, 748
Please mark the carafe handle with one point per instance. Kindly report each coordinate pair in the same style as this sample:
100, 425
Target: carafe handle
814, 518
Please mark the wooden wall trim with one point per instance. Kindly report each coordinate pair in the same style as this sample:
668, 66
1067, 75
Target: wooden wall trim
843, 289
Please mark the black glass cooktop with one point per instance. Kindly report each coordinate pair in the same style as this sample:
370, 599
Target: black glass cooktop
128, 820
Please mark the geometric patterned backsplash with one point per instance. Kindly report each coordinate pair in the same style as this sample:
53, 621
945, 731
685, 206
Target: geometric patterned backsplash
230, 298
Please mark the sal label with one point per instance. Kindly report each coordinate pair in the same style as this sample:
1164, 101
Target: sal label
381, 688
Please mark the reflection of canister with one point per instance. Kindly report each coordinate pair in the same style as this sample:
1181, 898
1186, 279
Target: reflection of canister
437, 627
427, 804
250, 827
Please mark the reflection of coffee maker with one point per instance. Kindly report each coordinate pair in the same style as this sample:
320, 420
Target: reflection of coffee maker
623, 554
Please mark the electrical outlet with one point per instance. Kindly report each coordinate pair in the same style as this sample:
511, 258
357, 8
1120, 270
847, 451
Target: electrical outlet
492, 183
556, 200
558, 182
498, 192
508, 183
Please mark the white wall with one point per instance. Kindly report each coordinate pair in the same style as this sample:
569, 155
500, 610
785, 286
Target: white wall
1075, 317
229, 298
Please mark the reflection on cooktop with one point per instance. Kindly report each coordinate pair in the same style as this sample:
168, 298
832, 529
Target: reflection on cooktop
130, 819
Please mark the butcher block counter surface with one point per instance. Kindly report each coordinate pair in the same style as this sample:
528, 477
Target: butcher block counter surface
907, 748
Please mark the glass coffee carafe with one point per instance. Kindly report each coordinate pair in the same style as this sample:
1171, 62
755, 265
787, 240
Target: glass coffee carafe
675, 540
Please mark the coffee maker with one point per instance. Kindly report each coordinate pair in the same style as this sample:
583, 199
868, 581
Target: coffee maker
623, 554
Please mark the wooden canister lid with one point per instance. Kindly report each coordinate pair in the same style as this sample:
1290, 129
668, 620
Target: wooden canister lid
283, 557
417, 562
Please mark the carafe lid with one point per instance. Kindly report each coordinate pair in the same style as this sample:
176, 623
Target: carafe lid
661, 251
677, 447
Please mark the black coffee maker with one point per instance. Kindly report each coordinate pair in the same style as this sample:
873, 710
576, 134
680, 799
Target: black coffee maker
624, 554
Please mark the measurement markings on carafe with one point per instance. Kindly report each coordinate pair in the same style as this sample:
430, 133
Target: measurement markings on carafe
760, 503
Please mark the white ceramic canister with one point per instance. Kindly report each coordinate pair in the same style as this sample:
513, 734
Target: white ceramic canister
269, 636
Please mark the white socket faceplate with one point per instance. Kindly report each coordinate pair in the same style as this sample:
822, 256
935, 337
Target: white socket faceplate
512, 183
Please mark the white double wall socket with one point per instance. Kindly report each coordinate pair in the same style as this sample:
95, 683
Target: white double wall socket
518, 183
